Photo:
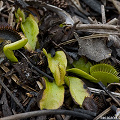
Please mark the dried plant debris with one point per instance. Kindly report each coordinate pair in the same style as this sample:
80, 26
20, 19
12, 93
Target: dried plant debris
78, 6
90, 104
5, 107
94, 4
115, 40
24, 71
66, 47
94, 49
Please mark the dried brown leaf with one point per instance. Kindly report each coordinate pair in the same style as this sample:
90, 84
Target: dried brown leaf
94, 49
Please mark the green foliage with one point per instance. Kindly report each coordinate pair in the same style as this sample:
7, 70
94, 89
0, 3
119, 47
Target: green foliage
82, 68
82, 64
104, 73
57, 65
20, 15
30, 29
8, 49
53, 96
83, 74
78, 89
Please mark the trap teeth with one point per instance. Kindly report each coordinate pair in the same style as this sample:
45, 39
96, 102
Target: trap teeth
104, 73
104, 68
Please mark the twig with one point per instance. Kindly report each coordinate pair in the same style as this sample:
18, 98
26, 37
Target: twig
16, 79
2, 8
114, 21
79, 7
96, 26
4, 15
11, 16
109, 93
111, 108
91, 21
98, 91
103, 14
13, 97
85, 37
47, 112
101, 31
117, 5
69, 58
38, 70
103, 113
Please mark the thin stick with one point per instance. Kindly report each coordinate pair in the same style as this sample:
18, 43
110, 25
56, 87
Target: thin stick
103, 113
91, 21
109, 93
97, 91
114, 21
69, 58
85, 37
103, 14
117, 5
47, 112
96, 26
16, 79
38, 70
13, 97
101, 31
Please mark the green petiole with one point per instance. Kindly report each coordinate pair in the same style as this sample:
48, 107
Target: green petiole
8, 49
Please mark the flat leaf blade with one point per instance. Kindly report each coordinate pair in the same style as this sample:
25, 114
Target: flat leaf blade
82, 74
53, 96
78, 89
31, 30
57, 65
82, 64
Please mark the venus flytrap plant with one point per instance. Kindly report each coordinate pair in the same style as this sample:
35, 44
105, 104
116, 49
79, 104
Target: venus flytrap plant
78, 89
53, 95
82, 68
11, 40
57, 65
82, 64
20, 14
8, 49
31, 30
96, 73
104, 73
29, 27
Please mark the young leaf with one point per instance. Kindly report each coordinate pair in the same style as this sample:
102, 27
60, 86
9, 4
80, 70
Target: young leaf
31, 30
57, 65
78, 89
53, 96
20, 14
104, 73
81, 64
83, 74
8, 49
